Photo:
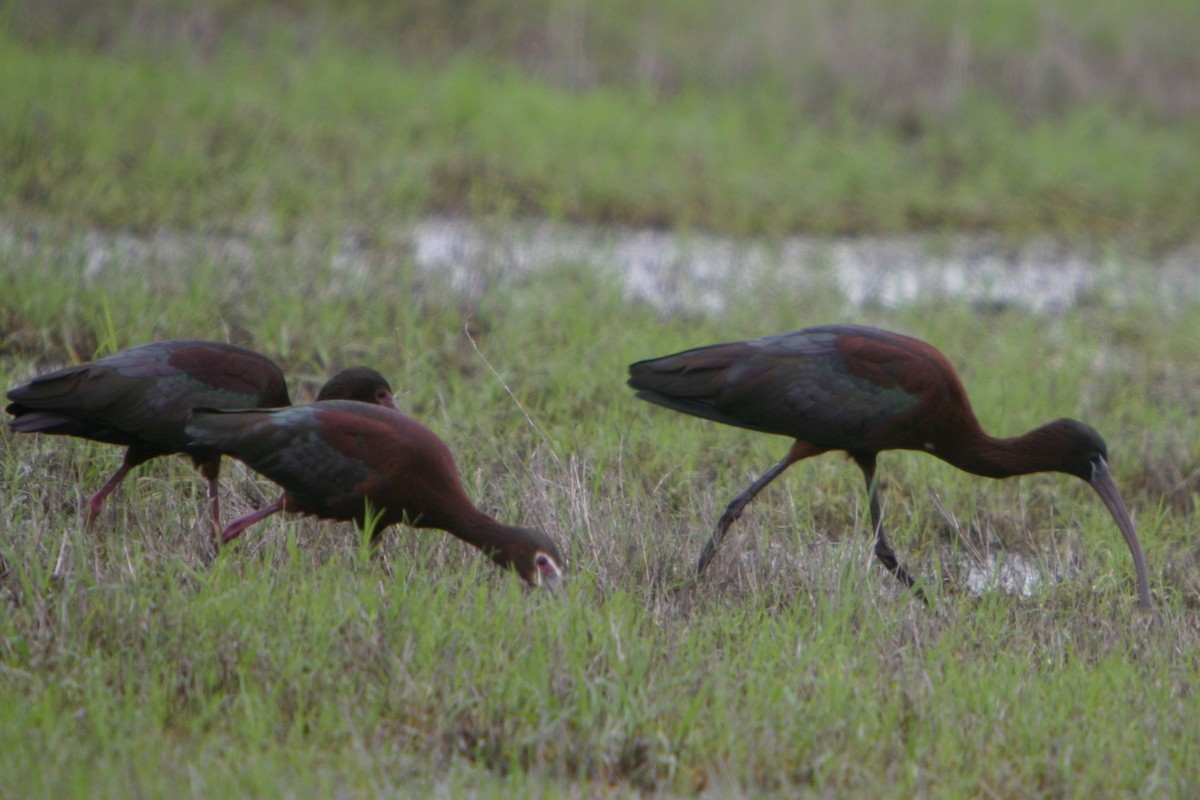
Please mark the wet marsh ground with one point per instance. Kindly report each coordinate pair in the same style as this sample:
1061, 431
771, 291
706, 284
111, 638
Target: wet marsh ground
303, 662
181, 193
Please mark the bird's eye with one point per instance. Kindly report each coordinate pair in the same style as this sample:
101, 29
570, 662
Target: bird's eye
545, 565
546, 571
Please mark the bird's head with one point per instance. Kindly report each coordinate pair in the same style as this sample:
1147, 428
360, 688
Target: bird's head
358, 383
534, 556
1085, 455
1080, 448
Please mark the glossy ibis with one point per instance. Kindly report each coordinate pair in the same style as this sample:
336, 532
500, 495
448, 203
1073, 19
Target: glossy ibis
863, 390
357, 383
140, 398
336, 459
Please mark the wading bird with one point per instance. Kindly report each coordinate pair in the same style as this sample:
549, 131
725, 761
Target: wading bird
356, 383
140, 398
342, 460
863, 390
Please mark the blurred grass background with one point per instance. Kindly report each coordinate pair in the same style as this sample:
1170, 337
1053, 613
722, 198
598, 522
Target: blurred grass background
1071, 118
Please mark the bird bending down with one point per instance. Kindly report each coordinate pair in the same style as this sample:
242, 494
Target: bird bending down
864, 390
336, 458
357, 383
140, 398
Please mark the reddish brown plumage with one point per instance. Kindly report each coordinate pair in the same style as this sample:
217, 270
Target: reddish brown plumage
864, 390
358, 383
336, 459
140, 399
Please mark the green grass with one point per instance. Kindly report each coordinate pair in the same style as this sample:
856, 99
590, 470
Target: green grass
301, 663
289, 132
171, 169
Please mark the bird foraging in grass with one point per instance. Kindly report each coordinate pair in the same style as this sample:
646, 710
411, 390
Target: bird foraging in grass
140, 399
357, 383
863, 391
338, 459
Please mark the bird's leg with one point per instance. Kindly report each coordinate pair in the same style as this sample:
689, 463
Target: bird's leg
211, 470
883, 551
133, 458
236, 527
734, 510
96, 504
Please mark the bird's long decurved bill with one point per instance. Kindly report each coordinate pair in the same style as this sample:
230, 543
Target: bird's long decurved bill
1103, 483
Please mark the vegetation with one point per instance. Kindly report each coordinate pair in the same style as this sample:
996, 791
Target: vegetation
302, 662
245, 172
799, 117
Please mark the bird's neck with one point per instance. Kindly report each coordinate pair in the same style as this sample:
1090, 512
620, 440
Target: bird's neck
993, 457
476, 529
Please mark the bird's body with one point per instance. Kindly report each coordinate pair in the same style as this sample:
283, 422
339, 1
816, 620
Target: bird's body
864, 390
337, 459
140, 399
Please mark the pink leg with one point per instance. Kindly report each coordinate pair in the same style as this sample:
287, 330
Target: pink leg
211, 470
238, 525
133, 458
96, 504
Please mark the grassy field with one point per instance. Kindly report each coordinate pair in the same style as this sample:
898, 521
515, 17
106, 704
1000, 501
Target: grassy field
237, 156
301, 664
261, 116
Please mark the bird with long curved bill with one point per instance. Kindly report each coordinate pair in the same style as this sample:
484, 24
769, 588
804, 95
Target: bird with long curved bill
340, 459
864, 390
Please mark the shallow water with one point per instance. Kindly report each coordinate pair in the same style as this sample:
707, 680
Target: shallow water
694, 272
676, 272
1006, 571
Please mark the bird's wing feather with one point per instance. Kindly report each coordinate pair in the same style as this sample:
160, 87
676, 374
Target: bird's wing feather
832, 387
143, 395
291, 447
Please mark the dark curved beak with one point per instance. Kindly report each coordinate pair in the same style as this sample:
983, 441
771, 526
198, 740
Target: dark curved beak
1103, 483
